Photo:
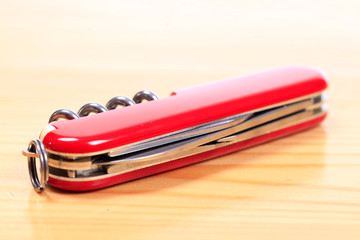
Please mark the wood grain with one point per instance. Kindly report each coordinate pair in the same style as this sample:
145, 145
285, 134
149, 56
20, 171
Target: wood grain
62, 54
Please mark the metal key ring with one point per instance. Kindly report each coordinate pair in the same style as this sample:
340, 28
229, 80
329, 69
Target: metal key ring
35, 150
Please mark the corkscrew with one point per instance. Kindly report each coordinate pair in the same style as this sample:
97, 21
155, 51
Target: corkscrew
36, 148
98, 108
115, 145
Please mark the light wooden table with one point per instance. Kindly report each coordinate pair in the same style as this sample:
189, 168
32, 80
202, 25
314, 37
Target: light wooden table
62, 54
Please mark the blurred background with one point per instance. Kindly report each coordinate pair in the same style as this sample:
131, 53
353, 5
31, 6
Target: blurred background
77, 46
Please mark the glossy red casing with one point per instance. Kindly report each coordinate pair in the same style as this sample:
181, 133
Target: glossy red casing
183, 109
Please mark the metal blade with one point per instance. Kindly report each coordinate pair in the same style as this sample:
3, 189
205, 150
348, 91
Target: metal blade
172, 149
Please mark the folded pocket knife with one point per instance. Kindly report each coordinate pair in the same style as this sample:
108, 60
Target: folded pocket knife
92, 151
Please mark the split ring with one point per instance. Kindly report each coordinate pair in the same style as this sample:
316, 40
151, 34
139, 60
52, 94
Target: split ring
35, 150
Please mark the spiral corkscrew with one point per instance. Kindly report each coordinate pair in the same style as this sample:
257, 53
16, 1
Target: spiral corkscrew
98, 108
36, 148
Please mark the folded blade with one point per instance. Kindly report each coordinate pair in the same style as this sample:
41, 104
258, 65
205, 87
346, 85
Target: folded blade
252, 125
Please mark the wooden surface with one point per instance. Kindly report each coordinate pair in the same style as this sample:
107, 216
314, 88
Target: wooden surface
62, 54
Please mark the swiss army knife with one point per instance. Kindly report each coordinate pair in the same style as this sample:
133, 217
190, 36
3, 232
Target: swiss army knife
87, 151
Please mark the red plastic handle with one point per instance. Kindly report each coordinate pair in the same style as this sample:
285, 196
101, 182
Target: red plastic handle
183, 109
125, 177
